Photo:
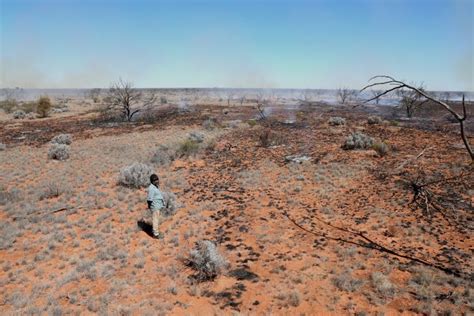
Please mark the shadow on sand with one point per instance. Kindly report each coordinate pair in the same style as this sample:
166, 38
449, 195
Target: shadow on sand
147, 228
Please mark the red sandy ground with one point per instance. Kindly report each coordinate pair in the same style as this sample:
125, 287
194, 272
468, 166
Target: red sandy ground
298, 229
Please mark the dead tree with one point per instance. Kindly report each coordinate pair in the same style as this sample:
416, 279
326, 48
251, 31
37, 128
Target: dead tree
94, 94
345, 94
396, 85
128, 100
411, 100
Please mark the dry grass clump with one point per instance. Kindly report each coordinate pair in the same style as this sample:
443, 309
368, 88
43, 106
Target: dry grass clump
187, 148
43, 108
65, 139
19, 114
136, 175
164, 155
206, 260
358, 140
382, 284
171, 205
8, 105
374, 120
196, 137
381, 148
346, 282
58, 152
335, 121
269, 138
52, 190
209, 124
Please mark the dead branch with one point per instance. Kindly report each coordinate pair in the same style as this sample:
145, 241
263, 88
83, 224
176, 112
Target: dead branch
371, 244
387, 80
410, 160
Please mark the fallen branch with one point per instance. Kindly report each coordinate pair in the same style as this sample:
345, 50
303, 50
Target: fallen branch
410, 160
371, 244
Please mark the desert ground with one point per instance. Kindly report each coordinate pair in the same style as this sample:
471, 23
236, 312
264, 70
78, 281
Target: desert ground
304, 226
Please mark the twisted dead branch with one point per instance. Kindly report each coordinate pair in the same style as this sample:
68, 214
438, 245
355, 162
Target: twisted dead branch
400, 85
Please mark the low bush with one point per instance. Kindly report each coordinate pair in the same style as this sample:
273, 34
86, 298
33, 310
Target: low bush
252, 122
380, 148
29, 107
43, 107
196, 137
137, 175
3, 147
187, 148
206, 260
58, 152
171, 205
335, 121
346, 282
8, 105
51, 190
19, 114
358, 140
269, 138
209, 124
164, 155
65, 139
374, 120
382, 284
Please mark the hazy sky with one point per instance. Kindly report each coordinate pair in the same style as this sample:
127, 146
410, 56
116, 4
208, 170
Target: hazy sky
232, 43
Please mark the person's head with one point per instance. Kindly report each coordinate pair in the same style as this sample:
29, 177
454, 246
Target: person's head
155, 180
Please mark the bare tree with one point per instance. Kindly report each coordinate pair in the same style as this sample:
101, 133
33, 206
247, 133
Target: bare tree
242, 99
345, 94
446, 96
11, 93
375, 93
94, 94
128, 100
396, 85
411, 100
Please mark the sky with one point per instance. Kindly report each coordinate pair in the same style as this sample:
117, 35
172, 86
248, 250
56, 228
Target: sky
236, 43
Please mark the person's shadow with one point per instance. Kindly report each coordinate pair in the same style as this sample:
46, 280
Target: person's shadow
147, 228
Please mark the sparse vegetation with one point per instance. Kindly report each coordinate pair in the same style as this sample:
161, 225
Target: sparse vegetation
137, 175
206, 260
374, 120
58, 151
19, 114
346, 282
187, 148
164, 155
65, 139
43, 107
171, 205
358, 140
382, 284
335, 121
381, 148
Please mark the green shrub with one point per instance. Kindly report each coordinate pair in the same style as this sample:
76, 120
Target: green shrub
44, 106
252, 122
381, 148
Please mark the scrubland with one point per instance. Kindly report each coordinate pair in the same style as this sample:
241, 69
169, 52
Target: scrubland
312, 216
